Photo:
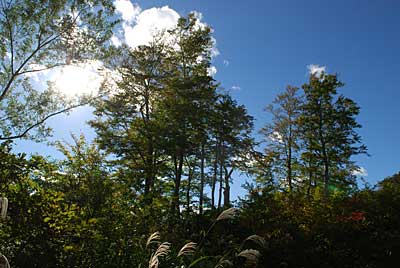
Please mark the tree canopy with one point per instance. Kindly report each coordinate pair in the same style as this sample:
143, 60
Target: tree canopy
36, 36
153, 188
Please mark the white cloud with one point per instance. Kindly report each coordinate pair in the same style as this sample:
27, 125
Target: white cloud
226, 62
128, 11
214, 49
148, 23
360, 172
212, 71
316, 70
139, 26
236, 88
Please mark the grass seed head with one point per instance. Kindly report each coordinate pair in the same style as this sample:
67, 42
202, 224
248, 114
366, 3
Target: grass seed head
251, 256
162, 251
187, 249
258, 240
154, 238
3, 207
228, 214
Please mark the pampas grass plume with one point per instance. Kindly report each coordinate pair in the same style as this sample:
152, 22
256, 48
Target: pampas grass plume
187, 249
228, 214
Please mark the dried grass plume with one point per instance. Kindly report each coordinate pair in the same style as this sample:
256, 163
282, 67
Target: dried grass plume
258, 240
162, 251
4, 262
154, 238
188, 249
3, 207
251, 256
228, 214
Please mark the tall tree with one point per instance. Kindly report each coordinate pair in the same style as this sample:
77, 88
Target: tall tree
329, 125
157, 117
125, 120
283, 133
232, 142
189, 93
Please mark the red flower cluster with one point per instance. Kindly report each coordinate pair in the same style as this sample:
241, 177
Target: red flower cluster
357, 216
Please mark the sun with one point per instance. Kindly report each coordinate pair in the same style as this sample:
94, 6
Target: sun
78, 79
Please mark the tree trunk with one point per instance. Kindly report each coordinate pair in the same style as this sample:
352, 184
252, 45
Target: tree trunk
191, 171
326, 177
201, 198
227, 194
324, 154
310, 179
149, 179
326, 169
221, 180
289, 169
178, 176
214, 179
149, 169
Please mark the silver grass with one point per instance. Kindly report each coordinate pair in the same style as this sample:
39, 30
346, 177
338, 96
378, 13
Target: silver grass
154, 238
3, 207
257, 240
161, 251
187, 249
251, 256
228, 214
4, 262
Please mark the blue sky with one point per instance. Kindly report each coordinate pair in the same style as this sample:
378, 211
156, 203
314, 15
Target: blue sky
265, 45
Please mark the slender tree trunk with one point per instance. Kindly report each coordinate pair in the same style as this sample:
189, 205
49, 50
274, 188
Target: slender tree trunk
149, 169
310, 179
214, 179
326, 177
324, 155
289, 175
221, 181
191, 171
178, 176
149, 150
227, 194
289, 163
326, 170
201, 198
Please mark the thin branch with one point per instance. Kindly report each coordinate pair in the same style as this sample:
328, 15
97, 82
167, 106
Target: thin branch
41, 121
11, 43
42, 69
23, 64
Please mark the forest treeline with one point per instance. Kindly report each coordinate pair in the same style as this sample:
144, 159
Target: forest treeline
153, 188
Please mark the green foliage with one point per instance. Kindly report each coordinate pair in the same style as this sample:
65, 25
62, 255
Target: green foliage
312, 138
329, 128
347, 231
164, 134
283, 136
36, 36
166, 116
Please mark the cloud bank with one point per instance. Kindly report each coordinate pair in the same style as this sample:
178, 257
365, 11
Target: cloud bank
127, 10
316, 70
138, 27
